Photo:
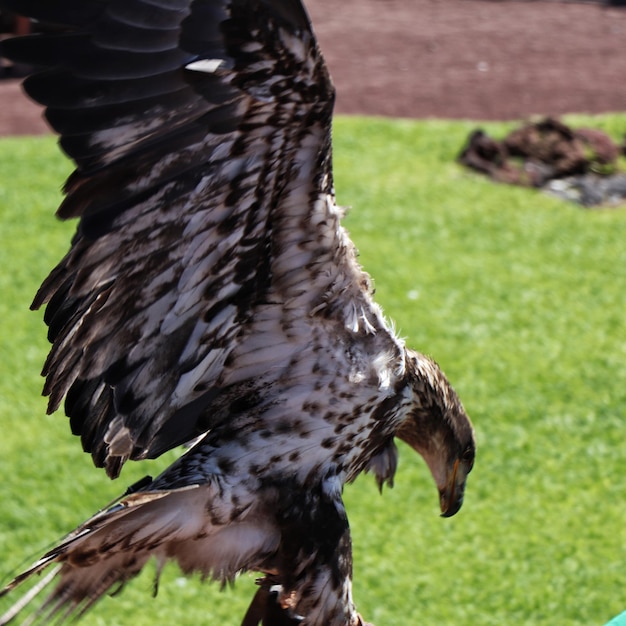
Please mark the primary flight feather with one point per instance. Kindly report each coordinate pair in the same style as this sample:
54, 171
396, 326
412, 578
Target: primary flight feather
211, 296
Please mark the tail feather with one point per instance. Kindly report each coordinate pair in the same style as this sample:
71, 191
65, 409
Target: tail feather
208, 529
111, 547
17, 608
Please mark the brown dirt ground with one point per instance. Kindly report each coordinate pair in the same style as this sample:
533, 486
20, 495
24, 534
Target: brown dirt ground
477, 59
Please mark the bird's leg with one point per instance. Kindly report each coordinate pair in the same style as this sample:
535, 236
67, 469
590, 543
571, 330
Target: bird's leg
309, 577
257, 608
266, 610
313, 564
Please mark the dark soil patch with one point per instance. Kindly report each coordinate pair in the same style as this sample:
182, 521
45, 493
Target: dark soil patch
476, 59
576, 164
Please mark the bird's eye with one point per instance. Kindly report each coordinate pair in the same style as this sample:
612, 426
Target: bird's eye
468, 456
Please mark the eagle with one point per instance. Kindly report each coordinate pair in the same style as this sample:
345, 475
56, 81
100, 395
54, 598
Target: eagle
211, 299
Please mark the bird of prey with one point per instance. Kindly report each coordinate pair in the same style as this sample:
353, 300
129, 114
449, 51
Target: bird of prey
210, 297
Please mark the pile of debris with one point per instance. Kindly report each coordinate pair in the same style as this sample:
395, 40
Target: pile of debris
580, 165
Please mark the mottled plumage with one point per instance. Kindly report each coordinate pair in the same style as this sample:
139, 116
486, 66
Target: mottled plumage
211, 296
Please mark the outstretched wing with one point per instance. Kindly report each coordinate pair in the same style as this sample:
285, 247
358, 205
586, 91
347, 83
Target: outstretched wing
198, 128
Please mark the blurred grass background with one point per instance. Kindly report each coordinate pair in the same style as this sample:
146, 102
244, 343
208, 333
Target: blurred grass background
520, 298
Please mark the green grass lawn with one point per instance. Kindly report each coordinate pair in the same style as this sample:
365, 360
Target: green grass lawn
520, 298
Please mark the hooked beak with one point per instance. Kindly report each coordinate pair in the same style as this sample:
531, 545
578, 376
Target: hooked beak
451, 494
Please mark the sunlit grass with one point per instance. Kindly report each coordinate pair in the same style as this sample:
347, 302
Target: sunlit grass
521, 299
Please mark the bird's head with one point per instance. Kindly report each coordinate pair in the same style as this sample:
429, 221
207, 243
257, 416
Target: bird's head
437, 427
